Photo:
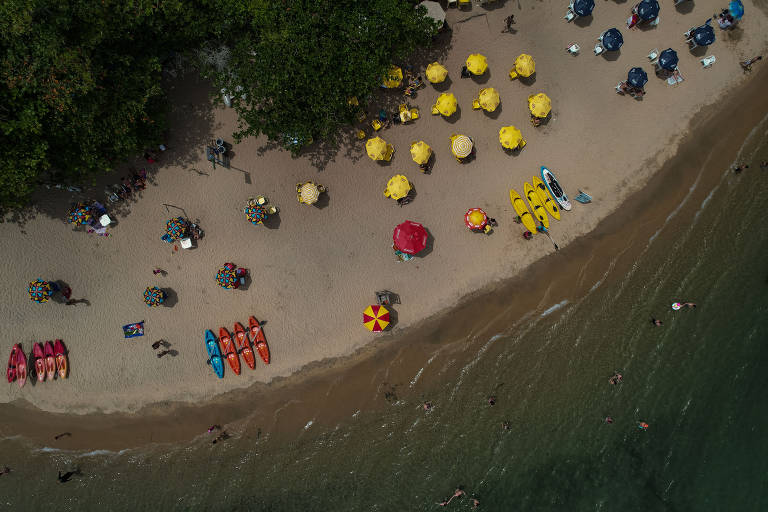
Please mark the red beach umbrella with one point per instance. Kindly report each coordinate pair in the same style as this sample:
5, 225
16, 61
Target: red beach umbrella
410, 237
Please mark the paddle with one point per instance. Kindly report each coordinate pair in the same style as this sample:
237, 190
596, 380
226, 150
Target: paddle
542, 229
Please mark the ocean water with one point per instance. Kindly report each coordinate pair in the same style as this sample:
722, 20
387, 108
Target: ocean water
699, 381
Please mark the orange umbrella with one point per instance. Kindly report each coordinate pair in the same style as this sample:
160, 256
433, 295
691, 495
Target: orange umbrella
475, 218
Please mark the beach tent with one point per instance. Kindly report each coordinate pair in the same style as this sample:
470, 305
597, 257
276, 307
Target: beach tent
226, 277
398, 187
525, 66
446, 104
704, 35
510, 137
308, 192
40, 291
176, 228
477, 64
736, 8
420, 152
583, 7
475, 218
461, 146
637, 77
612, 39
668, 59
255, 213
153, 296
393, 78
434, 11
648, 9
539, 104
410, 237
436, 73
378, 149
488, 99
376, 318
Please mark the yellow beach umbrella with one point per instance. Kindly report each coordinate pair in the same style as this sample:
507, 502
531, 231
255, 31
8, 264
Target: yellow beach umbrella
376, 148
420, 152
308, 193
510, 137
393, 78
446, 104
397, 187
436, 73
477, 64
539, 104
525, 66
489, 99
461, 146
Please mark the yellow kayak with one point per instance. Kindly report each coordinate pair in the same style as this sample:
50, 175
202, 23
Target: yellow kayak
522, 210
545, 198
536, 207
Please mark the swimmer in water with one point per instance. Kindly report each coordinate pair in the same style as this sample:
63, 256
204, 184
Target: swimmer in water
616, 379
689, 305
642, 425
656, 322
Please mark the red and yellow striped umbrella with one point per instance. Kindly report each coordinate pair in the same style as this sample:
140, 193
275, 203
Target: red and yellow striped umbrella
376, 318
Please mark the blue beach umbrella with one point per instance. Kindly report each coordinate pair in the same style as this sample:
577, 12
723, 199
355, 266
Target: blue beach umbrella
583, 7
637, 77
648, 9
736, 8
668, 59
704, 35
612, 39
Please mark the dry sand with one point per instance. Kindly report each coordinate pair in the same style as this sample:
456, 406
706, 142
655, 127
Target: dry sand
316, 269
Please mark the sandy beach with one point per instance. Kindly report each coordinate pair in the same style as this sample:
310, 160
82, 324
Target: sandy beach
314, 269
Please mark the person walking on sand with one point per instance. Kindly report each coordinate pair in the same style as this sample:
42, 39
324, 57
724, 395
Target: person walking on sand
656, 322
491, 400
159, 271
214, 427
747, 64
508, 22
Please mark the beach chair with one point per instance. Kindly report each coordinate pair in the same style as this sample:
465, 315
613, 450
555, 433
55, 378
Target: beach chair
573, 48
434, 111
360, 134
414, 114
675, 78
452, 3
599, 49
570, 15
465, 3
111, 196
476, 104
708, 61
376, 125
522, 144
653, 55
387, 156
619, 89
384, 298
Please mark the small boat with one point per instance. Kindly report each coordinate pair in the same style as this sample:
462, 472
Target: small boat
60, 353
536, 207
214, 354
546, 198
522, 210
21, 367
244, 345
258, 339
555, 189
39, 355
228, 349
11, 371
50, 360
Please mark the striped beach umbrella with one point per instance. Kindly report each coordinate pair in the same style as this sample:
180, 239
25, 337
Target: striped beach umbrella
308, 193
376, 318
79, 214
153, 296
461, 146
255, 213
40, 291
410, 237
176, 228
226, 277
475, 218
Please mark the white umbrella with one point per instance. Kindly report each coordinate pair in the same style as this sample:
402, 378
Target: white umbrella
434, 11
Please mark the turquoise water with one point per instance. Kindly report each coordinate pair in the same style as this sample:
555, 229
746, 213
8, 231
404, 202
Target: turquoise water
698, 381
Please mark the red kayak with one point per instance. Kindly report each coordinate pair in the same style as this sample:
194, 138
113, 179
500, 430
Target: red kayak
258, 339
50, 360
11, 371
228, 349
39, 355
21, 367
241, 338
60, 353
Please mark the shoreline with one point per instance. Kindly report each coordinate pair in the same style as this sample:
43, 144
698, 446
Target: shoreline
356, 381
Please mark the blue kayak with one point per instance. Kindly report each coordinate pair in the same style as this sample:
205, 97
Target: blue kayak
214, 354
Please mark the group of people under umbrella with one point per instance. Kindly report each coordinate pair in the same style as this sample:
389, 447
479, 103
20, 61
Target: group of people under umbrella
230, 276
257, 209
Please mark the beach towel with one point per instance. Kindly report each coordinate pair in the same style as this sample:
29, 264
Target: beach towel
133, 330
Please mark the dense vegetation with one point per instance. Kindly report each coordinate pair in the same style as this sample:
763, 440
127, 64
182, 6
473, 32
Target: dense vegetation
81, 80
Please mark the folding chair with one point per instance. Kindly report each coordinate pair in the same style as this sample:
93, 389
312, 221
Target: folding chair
708, 61
599, 49
573, 48
475, 104
414, 114
434, 111
653, 55
569, 16
376, 125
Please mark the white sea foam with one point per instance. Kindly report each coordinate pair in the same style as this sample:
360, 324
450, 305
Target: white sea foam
554, 308
415, 379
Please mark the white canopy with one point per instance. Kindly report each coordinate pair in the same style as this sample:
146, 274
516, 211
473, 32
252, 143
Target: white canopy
434, 11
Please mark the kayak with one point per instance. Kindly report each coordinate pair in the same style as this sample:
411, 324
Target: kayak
522, 210
545, 198
214, 354
60, 353
536, 207
50, 360
244, 345
555, 189
21, 367
258, 339
39, 355
11, 371
228, 349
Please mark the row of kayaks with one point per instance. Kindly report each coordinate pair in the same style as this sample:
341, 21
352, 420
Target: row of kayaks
226, 347
49, 359
545, 197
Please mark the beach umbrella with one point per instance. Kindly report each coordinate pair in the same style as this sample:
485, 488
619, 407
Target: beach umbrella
376, 318
612, 39
420, 152
668, 59
704, 35
475, 218
398, 187
393, 78
40, 291
648, 9
410, 237
255, 213
583, 7
736, 8
446, 104
489, 99
539, 104
525, 66
226, 277
510, 137
637, 77
376, 148
79, 214
477, 64
434, 11
461, 146
153, 296
436, 73
309, 193
176, 228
